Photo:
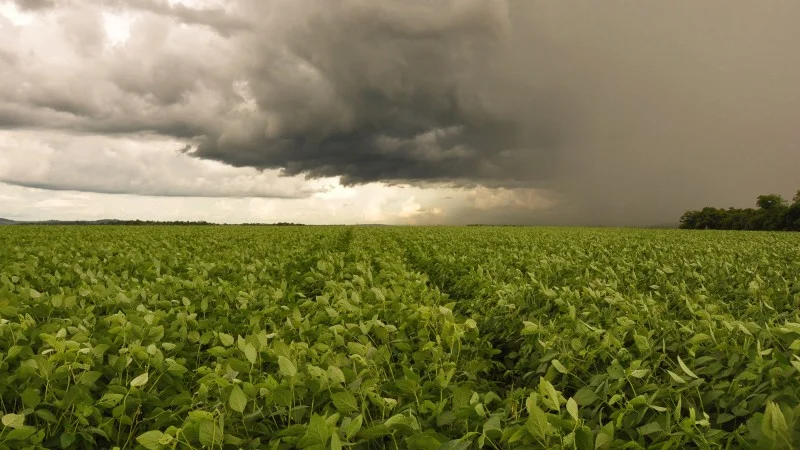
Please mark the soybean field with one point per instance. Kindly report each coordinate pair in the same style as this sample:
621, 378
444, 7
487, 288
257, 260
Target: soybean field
169, 337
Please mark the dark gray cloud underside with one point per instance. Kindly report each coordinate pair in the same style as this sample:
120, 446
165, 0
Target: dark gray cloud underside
35, 4
500, 153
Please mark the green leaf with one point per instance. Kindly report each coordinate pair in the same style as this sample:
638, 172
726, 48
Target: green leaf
176, 369
724, 418
286, 367
14, 350
20, 434
226, 339
676, 414
141, 380
774, 423
110, 400
642, 342
584, 439
150, 440
493, 427
237, 399
38, 437
529, 328
572, 409
650, 428
480, 409
354, 426
559, 367
605, 437
375, 432
46, 415
250, 353
66, 439
317, 432
686, 369
676, 377
13, 420
31, 398
344, 402
537, 424
228, 439
585, 396
336, 442
89, 378
336, 375
210, 433
403, 423
551, 395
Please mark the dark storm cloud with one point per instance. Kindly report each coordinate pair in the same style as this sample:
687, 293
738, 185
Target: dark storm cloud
389, 91
386, 155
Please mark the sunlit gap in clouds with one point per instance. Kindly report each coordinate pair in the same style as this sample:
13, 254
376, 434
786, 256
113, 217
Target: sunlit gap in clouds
11, 11
117, 26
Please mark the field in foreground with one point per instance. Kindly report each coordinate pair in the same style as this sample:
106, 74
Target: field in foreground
423, 338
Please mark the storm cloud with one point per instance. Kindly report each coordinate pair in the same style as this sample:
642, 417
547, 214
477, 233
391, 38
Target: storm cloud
365, 90
389, 91
627, 113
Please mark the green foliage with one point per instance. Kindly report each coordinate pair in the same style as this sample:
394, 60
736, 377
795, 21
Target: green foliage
422, 338
770, 201
774, 214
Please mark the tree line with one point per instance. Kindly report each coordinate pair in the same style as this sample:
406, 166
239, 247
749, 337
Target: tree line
773, 213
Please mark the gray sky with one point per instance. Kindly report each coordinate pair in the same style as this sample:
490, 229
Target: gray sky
412, 111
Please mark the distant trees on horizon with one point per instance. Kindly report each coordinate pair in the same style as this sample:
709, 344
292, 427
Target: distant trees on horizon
774, 213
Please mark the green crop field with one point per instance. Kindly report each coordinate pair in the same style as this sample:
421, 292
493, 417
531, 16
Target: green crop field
390, 337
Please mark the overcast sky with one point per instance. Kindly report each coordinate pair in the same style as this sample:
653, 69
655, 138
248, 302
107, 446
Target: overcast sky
396, 111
